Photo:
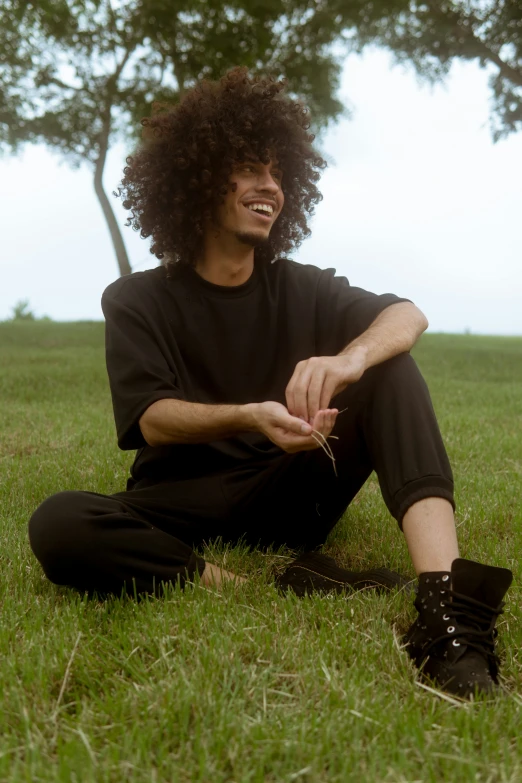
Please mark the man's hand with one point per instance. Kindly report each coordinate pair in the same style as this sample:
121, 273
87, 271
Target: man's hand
289, 432
315, 381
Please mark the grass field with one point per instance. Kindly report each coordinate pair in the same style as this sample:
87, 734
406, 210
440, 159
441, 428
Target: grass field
245, 685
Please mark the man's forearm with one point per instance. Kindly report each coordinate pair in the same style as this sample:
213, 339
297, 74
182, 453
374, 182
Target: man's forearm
176, 421
394, 331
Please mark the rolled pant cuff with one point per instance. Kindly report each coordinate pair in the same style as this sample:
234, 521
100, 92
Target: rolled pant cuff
195, 563
419, 489
185, 574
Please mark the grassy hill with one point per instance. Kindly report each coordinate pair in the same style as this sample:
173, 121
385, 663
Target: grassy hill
245, 685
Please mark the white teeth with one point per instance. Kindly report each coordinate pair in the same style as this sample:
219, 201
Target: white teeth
265, 207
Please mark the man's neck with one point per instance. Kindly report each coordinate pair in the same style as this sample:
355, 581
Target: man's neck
224, 260
227, 271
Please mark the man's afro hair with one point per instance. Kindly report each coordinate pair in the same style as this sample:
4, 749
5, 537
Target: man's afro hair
180, 171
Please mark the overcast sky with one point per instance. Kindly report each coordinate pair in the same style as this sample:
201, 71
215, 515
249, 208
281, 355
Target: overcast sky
417, 201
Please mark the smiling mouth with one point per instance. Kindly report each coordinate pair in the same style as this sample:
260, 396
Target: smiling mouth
261, 215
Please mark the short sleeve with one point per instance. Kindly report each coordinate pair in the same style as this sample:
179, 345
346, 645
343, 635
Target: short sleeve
344, 312
139, 372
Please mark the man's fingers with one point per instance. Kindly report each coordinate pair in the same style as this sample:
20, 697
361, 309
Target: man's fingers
300, 395
325, 420
333, 417
295, 426
289, 398
327, 392
315, 389
320, 424
294, 440
290, 391
309, 391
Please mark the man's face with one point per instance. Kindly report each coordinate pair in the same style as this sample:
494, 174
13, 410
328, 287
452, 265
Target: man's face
251, 183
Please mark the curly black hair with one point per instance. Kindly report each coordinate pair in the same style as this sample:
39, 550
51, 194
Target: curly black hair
180, 171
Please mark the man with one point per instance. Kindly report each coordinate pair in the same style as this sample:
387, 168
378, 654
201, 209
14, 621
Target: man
223, 366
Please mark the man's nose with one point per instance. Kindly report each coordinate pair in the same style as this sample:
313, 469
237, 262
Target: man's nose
267, 182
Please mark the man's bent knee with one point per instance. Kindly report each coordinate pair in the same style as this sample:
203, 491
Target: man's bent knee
397, 372
55, 533
402, 362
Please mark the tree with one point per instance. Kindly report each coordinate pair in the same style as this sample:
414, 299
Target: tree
79, 74
430, 35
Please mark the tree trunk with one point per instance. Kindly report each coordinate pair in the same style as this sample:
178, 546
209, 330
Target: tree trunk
117, 239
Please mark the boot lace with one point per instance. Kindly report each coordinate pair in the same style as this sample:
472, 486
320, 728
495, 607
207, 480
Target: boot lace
472, 624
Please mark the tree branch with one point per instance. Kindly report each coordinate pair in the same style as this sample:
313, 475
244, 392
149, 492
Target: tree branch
466, 24
505, 69
59, 83
116, 75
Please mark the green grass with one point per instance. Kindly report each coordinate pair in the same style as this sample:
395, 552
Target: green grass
244, 685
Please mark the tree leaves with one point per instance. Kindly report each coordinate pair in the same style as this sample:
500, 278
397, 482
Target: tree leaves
79, 74
430, 35
62, 62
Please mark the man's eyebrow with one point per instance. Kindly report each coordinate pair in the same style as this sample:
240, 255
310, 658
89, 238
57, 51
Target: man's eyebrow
253, 159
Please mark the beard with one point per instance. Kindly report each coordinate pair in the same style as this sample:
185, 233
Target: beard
252, 239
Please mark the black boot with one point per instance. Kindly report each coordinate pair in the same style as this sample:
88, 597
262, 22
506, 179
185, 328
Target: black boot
453, 639
317, 573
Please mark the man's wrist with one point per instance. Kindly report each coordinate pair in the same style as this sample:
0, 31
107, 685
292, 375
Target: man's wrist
355, 354
247, 417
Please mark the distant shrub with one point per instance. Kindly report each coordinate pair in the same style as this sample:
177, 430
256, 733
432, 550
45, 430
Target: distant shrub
21, 312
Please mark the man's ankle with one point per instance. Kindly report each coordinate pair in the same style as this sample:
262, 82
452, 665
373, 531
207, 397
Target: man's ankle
213, 576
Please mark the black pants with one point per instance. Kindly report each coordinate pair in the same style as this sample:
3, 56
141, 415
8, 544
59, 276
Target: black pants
138, 539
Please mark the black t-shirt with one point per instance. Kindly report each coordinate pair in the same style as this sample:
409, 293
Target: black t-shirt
188, 339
